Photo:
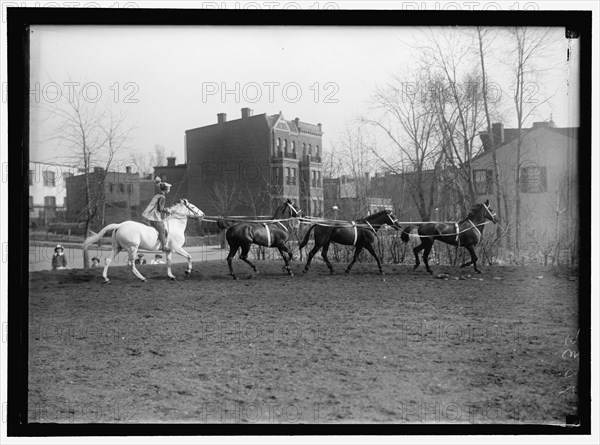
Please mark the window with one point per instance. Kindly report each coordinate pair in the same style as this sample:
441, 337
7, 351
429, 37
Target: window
533, 179
121, 187
50, 202
278, 143
309, 149
482, 180
317, 150
294, 147
111, 187
31, 203
66, 175
293, 176
303, 148
49, 180
130, 189
30, 175
275, 174
287, 176
285, 146
164, 177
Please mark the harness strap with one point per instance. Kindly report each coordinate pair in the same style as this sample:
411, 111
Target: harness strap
281, 224
475, 227
374, 231
355, 233
268, 235
457, 233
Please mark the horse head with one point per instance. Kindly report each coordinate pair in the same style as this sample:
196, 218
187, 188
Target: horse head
384, 217
287, 210
489, 213
187, 209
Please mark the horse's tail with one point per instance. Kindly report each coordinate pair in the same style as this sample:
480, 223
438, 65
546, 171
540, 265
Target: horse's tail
98, 236
306, 237
404, 236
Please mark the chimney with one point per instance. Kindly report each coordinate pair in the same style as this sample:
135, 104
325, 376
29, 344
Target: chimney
297, 121
221, 118
246, 112
128, 169
498, 133
98, 170
170, 161
320, 127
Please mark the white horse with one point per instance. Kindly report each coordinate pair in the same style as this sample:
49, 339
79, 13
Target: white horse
131, 236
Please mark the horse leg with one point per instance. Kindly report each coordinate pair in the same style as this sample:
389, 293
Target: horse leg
311, 254
244, 256
428, 247
169, 273
371, 250
132, 251
324, 255
107, 261
179, 250
354, 258
474, 259
232, 251
416, 251
283, 249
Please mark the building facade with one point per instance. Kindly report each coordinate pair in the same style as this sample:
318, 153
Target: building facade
547, 181
246, 166
48, 192
117, 196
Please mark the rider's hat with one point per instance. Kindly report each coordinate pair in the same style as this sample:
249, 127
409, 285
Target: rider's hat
165, 186
58, 247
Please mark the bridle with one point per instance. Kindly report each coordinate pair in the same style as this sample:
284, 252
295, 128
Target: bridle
489, 212
393, 220
194, 213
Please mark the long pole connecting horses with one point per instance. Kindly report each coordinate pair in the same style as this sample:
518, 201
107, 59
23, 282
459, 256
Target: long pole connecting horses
131, 236
466, 233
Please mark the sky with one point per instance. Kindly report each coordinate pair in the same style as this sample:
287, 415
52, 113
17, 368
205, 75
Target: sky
171, 79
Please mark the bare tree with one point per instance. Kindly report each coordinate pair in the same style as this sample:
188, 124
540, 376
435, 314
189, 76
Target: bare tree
93, 136
159, 155
484, 38
409, 124
529, 44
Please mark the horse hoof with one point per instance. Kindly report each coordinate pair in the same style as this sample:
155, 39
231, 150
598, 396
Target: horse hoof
381, 272
172, 278
234, 277
188, 272
346, 273
106, 280
305, 270
478, 271
415, 266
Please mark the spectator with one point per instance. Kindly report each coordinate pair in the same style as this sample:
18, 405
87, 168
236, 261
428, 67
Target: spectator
140, 259
157, 259
59, 260
95, 262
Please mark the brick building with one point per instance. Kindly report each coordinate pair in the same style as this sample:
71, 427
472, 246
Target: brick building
247, 166
120, 196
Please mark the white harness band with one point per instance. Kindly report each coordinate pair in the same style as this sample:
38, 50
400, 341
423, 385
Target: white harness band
457, 232
478, 231
355, 233
268, 235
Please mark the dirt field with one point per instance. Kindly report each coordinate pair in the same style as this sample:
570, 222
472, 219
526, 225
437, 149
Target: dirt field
401, 348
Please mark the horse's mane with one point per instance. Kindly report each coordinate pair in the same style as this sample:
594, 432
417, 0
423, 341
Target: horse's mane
471, 212
366, 218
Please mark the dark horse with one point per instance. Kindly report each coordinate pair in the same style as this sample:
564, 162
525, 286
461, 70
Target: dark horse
466, 233
268, 234
361, 234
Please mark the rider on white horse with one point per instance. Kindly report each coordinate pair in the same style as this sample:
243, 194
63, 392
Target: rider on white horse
157, 212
